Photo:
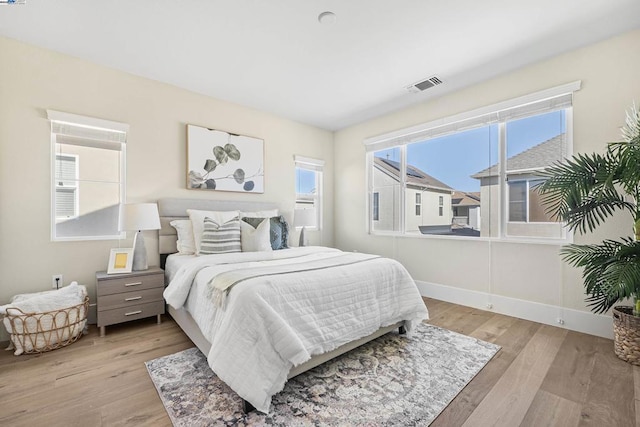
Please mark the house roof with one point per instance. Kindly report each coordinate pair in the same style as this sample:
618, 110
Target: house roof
462, 198
415, 176
535, 158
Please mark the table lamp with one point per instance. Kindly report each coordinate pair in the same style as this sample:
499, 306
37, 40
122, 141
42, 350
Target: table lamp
139, 217
304, 218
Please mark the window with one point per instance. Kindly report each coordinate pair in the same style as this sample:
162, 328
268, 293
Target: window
524, 202
476, 172
87, 176
518, 201
309, 186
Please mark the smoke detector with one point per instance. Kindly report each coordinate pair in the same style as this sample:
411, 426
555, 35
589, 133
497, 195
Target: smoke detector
424, 84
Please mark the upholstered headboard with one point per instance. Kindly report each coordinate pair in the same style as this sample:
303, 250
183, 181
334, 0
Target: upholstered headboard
171, 209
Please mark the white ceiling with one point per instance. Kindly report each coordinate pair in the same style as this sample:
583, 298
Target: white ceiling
275, 56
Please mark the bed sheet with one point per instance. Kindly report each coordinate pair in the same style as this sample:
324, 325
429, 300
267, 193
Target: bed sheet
271, 324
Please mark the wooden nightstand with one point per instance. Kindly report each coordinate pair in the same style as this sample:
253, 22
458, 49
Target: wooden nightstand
129, 296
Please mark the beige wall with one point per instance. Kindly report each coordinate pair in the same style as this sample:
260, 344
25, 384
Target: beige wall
34, 80
533, 272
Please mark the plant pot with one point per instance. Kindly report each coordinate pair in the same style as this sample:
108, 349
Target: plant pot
626, 334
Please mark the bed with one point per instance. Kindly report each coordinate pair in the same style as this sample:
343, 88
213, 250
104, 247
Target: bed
266, 316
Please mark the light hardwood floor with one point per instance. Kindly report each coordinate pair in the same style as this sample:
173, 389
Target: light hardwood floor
543, 376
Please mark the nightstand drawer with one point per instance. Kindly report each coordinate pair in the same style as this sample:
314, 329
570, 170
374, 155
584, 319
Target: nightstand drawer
119, 315
129, 284
128, 299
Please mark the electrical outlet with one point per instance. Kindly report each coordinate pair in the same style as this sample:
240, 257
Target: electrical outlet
56, 281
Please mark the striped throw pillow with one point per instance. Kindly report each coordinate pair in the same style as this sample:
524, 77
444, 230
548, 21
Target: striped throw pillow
220, 238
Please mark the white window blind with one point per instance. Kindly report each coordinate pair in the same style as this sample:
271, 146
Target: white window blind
309, 163
548, 100
72, 129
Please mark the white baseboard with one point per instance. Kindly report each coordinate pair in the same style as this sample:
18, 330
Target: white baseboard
575, 320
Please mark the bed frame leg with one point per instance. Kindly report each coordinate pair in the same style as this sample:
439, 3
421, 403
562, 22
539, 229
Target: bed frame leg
247, 407
402, 330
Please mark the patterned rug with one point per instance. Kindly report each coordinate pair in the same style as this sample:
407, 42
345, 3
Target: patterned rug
391, 381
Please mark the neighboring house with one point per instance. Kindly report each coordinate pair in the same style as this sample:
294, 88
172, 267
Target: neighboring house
525, 214
427, 200
466, 209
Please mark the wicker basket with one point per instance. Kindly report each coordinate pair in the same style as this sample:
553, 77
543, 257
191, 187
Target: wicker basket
626, 331
40, 332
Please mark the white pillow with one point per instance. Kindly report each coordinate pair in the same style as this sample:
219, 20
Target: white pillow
260, 214
197, 222
256, 239
186, 243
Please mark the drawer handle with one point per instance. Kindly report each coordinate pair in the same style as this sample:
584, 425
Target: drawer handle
133, 312
132, 298
133, 284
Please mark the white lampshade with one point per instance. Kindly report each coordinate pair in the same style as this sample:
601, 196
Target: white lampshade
304, 217
139, 216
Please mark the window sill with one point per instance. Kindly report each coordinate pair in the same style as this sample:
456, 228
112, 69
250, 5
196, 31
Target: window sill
514, 240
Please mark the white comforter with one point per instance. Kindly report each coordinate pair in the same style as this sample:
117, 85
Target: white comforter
272, 323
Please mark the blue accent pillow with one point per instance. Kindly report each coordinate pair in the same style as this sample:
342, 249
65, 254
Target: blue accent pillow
279, 233
279, 230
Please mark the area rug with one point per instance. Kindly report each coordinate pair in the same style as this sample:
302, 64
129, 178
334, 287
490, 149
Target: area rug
392, 381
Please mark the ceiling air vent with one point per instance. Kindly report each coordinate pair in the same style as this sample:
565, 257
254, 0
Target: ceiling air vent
424, 84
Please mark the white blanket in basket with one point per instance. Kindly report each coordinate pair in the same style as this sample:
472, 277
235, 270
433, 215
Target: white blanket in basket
25, 333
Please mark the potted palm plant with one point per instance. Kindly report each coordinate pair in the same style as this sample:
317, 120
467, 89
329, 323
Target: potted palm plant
585, 191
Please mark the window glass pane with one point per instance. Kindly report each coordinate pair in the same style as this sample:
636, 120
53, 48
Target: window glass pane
307, 191
444, 170
536, 208
97, 211
386, 183
305, 181
95, 164
86, 190
305, 188
532, 144
535, 142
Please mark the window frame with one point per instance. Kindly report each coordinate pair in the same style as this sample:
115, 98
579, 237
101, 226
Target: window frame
58, 118
545, 101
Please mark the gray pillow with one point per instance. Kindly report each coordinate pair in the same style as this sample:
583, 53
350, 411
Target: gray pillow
220, 238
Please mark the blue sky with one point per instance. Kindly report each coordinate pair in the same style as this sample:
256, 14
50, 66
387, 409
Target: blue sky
305, 181
454, 158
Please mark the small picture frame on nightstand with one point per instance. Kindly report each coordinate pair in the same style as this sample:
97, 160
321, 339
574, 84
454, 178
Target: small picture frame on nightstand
120, 261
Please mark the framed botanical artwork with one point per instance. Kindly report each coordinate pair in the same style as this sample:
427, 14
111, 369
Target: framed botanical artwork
223, 161
120, 261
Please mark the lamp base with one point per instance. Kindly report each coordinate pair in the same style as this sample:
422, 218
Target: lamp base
301, 242
139, 253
